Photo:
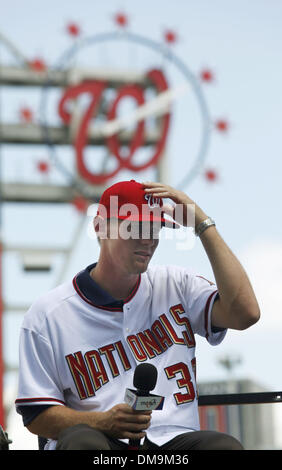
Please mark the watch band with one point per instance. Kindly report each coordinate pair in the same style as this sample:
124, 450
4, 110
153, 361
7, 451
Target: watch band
203, 226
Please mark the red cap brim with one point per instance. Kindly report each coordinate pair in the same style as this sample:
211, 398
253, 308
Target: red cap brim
160, 220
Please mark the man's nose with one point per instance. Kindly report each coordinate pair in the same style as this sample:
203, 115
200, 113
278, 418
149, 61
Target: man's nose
148, 241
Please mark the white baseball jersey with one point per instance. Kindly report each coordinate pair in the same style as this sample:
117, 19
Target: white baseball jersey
77, 351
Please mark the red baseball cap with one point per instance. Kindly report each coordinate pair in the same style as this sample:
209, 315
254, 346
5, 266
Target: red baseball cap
127, 200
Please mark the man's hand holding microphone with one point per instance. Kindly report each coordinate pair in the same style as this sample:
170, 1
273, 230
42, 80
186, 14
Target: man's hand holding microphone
130, 420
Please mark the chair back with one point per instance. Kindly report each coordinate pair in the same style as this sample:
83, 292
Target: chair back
41, 442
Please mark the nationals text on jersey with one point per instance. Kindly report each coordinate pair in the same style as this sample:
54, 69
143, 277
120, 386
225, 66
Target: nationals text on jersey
88, 370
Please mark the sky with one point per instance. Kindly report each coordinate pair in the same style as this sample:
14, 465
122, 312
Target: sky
240, 42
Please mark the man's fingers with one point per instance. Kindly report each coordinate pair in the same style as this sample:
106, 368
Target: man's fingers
139, 420
126, 409
168, 209
128, 423
135, 427
160, 190
151, 183
134, 435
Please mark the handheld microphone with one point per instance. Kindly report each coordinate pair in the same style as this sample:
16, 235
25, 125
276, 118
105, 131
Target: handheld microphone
144, 380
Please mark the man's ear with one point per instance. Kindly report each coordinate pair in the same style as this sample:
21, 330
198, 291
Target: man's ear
100, 226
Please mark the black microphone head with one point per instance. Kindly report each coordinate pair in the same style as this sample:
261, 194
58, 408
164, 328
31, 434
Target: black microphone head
145, 377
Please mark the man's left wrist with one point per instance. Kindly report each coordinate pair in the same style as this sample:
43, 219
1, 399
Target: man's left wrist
203, 226
200, 217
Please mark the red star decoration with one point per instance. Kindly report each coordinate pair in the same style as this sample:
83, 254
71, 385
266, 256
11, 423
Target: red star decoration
222, 125
73, 29
211, 176
80, 204
170, 37
121, 20
207, 75
43, 167
38, 65
26, 114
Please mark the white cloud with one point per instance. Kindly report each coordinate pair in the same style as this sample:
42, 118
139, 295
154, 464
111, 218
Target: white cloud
21, 438
263, 263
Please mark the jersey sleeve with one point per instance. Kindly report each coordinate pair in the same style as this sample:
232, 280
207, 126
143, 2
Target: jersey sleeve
39, 383
200, 296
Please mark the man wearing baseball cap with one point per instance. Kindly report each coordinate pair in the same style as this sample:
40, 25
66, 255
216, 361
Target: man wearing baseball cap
81, 343
128, 200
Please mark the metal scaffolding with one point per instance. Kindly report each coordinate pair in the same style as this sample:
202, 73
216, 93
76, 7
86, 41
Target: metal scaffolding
23, 75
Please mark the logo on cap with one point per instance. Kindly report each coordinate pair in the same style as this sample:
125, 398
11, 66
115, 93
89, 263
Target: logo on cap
153, 201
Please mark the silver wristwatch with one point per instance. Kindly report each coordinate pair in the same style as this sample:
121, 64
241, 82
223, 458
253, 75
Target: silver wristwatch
203, 226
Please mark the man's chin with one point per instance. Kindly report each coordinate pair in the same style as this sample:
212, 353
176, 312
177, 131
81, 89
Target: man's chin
141, 265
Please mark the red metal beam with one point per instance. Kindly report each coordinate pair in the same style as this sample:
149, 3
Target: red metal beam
2, 413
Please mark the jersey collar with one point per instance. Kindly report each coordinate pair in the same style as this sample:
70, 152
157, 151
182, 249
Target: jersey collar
95, 295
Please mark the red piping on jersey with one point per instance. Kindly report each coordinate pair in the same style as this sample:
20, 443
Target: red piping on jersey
115, 309
133, 292
30, 400
207, 313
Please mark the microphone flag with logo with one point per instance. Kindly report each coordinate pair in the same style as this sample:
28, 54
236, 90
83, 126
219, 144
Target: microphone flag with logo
144, 380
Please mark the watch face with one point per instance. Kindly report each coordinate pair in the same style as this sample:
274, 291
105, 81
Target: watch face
204, 225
